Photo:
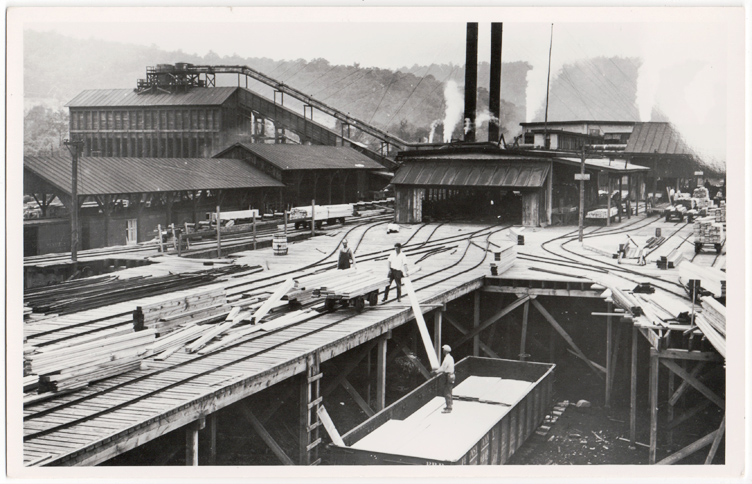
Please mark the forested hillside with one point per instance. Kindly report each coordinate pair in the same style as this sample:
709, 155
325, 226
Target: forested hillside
407, 102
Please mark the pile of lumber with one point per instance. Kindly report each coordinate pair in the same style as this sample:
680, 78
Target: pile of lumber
707, 230
719, 214
626, 301
712, 323
74, 380
198, 307
303, 287
711, 279
601, 213
504, 257
349, 284
672, 260
94, 292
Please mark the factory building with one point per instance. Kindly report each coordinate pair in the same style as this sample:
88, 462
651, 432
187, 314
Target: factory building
122, 200
327, 174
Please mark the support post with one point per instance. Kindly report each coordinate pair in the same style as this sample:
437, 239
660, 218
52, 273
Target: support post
670, 418
313, 218
191, 444
213, 439
609, 350
75, 147
381, 373
654, 367
620, 192
254, 230
476, 322
525, 310
716, 441
633, 390
608, 200
582, 190
629, 196
219, 237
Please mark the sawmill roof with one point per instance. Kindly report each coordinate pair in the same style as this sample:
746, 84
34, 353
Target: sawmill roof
465, 173
309, 157
197, 96
106, 175
656, 138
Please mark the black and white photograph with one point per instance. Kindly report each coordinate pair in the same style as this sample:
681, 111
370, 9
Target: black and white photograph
345, 242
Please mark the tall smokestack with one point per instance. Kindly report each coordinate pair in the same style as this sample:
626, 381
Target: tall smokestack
494, 95
471, 79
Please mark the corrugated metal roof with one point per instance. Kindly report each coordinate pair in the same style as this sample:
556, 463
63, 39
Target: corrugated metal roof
619, 166
310, 157
462, 173
197, 96
100, 176
659, 138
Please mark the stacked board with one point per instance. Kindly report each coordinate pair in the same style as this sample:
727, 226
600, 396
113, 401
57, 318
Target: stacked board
708, 231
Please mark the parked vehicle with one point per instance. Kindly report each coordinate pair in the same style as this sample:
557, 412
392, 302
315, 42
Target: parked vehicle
331, 214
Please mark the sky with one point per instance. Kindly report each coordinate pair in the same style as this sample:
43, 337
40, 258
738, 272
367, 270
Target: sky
683, 63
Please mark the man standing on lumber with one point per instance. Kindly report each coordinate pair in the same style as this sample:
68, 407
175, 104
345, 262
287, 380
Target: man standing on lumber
447, 370
345, 257
397, 268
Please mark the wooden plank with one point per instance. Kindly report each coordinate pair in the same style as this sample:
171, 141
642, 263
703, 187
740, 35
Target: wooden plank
381, 373
690, 449
266, 436
697, 384
716, 442
534, 291
358, 399
654, 367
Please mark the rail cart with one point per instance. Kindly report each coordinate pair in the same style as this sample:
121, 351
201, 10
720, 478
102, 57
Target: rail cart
707, 232
355, 295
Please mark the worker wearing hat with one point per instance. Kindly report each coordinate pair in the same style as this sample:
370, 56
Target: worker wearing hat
447, 371
397, 268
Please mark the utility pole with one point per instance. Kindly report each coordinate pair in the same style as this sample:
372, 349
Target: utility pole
582, 179
75, 147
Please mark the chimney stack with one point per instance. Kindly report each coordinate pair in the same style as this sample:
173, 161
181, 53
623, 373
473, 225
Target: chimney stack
471, 80
494, 86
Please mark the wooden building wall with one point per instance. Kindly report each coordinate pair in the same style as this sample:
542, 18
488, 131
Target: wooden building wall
408, 204
156, 131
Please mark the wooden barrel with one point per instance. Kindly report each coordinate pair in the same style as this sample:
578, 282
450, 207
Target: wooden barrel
279, 244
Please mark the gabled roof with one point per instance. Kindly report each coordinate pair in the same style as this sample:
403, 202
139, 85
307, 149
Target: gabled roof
465, 173
104, 176
656, 138
604, 164
197, 96
308, 157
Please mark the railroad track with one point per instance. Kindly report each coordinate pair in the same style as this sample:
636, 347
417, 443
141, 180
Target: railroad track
258, 283
110, 396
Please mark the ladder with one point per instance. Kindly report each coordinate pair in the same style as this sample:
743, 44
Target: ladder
309, 422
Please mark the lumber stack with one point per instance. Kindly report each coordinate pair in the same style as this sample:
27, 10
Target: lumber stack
303, 287
82, 378
83, 358
94, 292
711, 279
719, 214
672, 260
357, 283
504, 258
167, 315
715, 314
708, 231
626, 301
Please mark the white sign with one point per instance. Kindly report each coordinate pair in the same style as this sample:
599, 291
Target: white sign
699, 173
582, 176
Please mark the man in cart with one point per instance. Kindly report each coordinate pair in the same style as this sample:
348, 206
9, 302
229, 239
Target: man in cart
346, 257
397, 268
447, 370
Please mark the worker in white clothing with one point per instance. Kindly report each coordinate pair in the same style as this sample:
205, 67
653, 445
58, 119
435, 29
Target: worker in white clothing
447, 370
397, 263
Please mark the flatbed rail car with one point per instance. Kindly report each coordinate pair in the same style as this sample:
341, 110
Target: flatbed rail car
331, 214
498, 404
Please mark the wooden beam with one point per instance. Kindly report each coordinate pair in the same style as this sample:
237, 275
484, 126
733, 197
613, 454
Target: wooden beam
716, 442
265, 435
421, 367
685, 385
690, 449
437, 330
538, 291
492, 320
679, 354
483, 346
348, 368
654, 367
609, 350
633, 389
191, 444
476, 323
615, 355
525, 311
697, 384
381, 373
213, 439
358, 399
564, 335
